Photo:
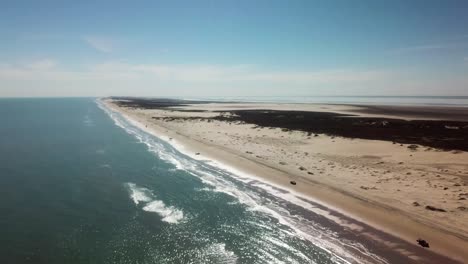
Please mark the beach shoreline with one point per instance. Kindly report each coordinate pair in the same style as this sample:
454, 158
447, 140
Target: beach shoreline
446, 240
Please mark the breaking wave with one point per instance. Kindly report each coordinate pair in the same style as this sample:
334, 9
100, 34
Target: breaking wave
169, 214
142, 195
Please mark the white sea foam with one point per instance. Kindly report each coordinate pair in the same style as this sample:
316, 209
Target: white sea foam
142, 195
88, 121
169, 214
281, 244
139, 194
222, 255
100, 151
290, 197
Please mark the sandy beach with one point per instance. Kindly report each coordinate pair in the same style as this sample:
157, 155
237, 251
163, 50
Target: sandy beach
406, 186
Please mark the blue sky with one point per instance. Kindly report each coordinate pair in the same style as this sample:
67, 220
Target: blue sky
234, 48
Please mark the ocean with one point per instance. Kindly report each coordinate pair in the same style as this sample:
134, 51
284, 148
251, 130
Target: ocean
80, 184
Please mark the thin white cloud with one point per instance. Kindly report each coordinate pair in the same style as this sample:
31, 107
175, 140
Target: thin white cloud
222, 74
235, 73
423, 48
40, 65
455, 42
100, 43
117, 78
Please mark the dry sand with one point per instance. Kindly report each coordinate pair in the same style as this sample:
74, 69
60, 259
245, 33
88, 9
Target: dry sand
385, 185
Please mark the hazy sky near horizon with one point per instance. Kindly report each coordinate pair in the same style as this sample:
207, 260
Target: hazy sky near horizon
233, 48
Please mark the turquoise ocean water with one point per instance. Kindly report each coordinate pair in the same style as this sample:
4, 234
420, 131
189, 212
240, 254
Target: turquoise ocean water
80, 184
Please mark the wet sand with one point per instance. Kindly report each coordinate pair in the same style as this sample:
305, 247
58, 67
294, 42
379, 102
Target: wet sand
381, 182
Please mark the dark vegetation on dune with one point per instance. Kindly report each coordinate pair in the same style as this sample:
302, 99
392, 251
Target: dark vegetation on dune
441, 134
148, 103
452, 135
157, 103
